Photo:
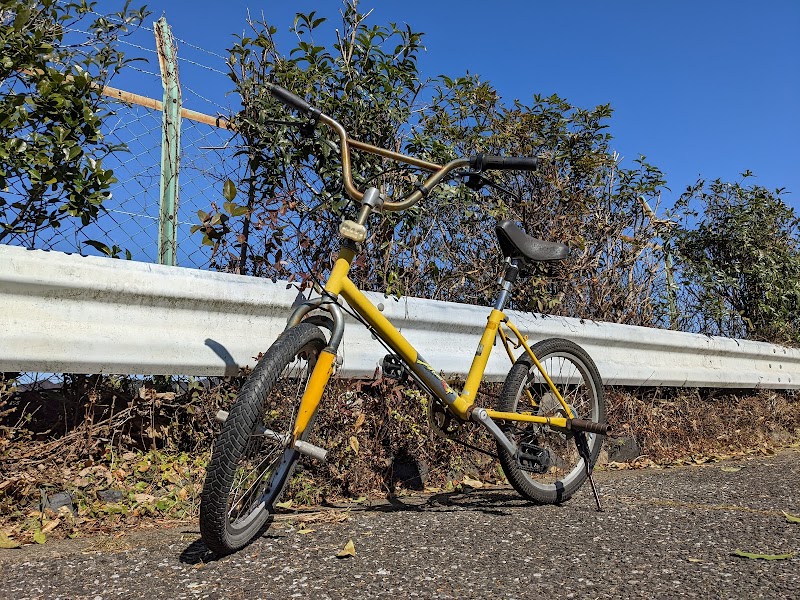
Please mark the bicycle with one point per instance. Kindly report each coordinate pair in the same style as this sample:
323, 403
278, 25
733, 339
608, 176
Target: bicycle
550, 419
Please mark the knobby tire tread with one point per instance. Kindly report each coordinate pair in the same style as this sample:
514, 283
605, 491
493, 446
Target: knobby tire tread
235, 434
515, 380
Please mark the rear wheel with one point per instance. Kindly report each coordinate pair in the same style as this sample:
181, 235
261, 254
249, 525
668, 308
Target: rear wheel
557, 471
252, 461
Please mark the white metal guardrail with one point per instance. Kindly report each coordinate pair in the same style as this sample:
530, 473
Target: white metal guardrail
67, 313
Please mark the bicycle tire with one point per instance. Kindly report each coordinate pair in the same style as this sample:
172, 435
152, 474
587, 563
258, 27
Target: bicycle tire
270, 398
578, 380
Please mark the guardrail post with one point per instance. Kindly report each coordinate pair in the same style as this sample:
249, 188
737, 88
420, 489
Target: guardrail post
170, 143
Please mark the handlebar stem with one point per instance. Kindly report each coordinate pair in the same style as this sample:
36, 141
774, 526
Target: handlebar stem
372, 198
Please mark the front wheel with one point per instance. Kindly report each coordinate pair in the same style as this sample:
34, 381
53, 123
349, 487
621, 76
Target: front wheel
251, 461
551, 469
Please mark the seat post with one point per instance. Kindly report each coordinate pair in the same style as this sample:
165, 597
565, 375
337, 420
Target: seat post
506, 283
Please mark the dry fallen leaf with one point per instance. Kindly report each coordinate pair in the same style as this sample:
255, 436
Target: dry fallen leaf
304, 531
325, 516
348, 550
51, 525
39, 537
354, 443
730, 469
694, 560
359, 421
474, 483
618, 465
284, 505
791, 518
65, 512
7, 543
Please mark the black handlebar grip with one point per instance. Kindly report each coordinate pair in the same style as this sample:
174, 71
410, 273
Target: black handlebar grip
484, 162
590, 426
290, 99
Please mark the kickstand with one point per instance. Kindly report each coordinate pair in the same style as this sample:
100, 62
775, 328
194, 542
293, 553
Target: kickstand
596, 495
583, 450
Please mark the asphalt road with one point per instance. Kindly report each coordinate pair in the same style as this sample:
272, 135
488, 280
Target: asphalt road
664, 534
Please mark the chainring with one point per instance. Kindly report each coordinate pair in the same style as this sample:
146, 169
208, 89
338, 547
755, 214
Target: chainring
442, 423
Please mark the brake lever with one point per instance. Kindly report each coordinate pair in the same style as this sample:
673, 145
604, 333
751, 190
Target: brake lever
306, 127
476, 180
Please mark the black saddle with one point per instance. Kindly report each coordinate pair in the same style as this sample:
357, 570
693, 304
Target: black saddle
518, 245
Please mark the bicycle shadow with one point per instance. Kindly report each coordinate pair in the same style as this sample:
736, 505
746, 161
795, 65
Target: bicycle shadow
197, 552
492, 502
495, 502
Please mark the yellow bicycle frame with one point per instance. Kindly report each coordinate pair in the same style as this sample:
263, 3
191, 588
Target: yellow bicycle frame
339, 284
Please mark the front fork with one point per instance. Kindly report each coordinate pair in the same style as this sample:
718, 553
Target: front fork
325, 361
314, 389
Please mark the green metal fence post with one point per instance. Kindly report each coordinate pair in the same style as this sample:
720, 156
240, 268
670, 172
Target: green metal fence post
170, 143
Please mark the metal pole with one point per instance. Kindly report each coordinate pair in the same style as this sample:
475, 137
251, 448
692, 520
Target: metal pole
170, 143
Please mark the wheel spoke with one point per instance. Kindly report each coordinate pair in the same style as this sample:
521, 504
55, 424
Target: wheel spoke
284, 401
557, 470
247, 473
256, 480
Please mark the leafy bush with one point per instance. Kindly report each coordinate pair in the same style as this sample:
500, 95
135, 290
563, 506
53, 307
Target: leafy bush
293, 200
738, 248
51, 112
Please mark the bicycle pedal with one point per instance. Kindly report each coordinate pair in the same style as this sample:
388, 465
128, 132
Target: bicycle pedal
393, 367
260, 430
533, 459
311, 450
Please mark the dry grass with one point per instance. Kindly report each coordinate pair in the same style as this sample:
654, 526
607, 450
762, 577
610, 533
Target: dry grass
152, 444
673, 424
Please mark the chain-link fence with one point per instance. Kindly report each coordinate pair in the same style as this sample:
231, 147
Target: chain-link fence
132, 217
129, 222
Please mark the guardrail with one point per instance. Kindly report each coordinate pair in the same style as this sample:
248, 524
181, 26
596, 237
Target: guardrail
75, 314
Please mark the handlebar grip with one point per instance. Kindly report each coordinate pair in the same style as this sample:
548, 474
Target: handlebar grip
290, 99
590, 426
485, 162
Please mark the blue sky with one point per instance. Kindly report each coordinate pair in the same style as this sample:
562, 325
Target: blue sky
700, 88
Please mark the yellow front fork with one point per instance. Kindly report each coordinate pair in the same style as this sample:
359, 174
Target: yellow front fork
324, 368
313, 393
